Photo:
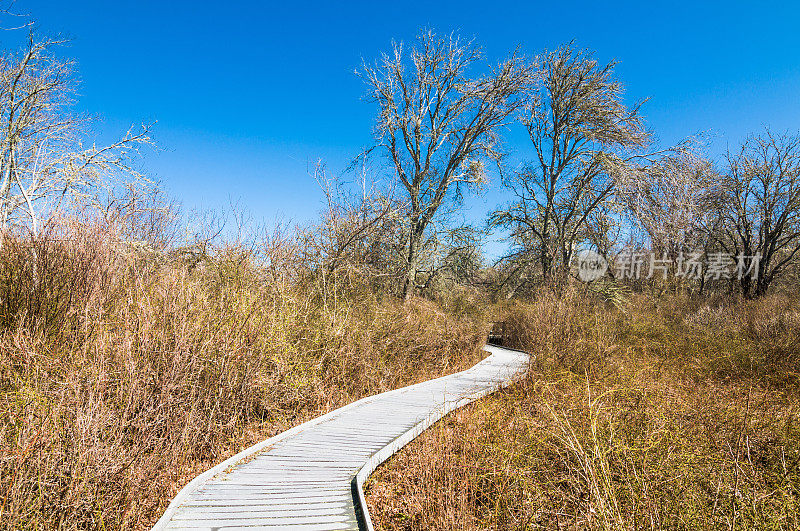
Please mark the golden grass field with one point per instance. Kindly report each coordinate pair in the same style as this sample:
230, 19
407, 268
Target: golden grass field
125, 374
669, 412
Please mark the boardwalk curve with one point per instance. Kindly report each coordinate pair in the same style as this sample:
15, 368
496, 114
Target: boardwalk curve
311, 477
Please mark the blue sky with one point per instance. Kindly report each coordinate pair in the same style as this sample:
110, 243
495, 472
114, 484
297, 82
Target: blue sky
246, 93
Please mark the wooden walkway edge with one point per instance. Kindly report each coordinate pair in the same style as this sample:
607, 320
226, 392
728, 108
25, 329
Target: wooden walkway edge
311, 477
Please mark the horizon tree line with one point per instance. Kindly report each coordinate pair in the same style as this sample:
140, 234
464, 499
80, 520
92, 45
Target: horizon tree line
593, 177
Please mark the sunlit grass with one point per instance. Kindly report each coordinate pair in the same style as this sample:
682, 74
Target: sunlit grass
123, 375
672, 413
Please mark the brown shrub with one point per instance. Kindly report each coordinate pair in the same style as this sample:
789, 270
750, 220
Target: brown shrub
675, 412
124, 371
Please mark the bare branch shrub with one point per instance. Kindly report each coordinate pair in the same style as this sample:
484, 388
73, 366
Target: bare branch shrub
359, 228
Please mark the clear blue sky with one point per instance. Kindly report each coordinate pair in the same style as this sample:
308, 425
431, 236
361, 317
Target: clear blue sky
246, 93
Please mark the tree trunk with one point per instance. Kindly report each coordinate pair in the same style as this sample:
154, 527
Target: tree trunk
746, 286
761, 286
545, 258
409, 282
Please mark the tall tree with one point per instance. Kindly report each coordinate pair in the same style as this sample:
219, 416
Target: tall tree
42, 156
438, 123
581, 131
674, 199
762, 208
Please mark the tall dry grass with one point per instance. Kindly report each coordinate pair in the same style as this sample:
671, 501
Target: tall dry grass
125, 371
672, 412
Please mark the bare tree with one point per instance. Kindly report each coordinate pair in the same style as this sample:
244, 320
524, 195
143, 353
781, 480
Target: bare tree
581, 131
762, 209
42, 157
674, 199
438, 124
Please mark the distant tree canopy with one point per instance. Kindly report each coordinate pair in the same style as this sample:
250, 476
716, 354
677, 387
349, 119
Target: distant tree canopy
594, 181
593, 177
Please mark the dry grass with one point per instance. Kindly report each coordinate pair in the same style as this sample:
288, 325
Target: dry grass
673, 413
124, 372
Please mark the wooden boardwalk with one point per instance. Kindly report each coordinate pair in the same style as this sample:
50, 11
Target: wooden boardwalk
311, 477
